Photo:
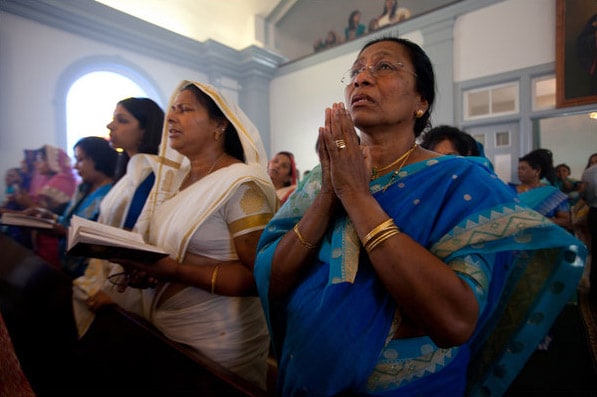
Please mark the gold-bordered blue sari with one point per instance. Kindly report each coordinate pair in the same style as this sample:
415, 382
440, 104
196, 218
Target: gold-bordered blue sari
334, 332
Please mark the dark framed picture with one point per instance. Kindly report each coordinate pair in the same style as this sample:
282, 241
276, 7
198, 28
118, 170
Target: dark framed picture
576, 52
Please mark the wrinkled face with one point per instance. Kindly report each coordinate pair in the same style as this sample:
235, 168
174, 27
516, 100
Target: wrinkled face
190, 128
526, 174
562, 172
279, 169
125, 132
388, 100
445, 147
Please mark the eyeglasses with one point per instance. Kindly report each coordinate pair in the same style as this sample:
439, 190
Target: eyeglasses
380, 69
120, 280
133, 279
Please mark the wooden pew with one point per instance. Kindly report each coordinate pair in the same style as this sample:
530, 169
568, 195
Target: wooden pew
121, 354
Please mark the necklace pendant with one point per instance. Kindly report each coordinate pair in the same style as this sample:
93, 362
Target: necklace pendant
373, 173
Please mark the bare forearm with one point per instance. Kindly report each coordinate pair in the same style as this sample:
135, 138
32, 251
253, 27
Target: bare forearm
292, 255
222, 278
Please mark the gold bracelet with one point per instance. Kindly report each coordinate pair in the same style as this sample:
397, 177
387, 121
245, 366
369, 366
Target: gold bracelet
382, 237
374, 242
304, 242
214, 276
385, 224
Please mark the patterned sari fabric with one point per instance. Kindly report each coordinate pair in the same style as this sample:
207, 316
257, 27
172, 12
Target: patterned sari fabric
334, 332
546, 200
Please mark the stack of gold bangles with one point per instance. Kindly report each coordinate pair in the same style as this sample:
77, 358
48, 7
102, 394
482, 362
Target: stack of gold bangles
379, 234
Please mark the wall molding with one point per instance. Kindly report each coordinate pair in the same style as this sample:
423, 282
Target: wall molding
99, 22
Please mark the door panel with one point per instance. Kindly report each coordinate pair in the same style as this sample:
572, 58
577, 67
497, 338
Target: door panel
501, 144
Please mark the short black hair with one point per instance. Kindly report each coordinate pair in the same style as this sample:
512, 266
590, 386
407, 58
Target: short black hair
542, 160
465, 144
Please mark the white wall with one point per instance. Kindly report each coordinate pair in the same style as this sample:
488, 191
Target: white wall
297, 107
29, 72
510, 35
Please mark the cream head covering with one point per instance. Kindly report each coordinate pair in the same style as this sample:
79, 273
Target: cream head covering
173, 166
247, 132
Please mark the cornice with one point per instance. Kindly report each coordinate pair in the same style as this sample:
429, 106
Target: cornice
104, 24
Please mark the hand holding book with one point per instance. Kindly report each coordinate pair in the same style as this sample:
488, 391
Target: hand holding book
96, 240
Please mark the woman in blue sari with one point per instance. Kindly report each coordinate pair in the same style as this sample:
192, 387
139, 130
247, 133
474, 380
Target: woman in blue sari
389, 269
533, 169
95, 161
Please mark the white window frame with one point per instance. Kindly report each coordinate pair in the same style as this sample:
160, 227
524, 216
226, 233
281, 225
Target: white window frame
490, 90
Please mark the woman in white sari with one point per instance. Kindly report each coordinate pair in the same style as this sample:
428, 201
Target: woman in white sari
211, 200
136, 129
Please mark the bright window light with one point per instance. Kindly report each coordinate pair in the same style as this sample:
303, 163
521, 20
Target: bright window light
91, 101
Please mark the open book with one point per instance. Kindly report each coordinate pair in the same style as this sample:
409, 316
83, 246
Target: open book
96, 240
20, 219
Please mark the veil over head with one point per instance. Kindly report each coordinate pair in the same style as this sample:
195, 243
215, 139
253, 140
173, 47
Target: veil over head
173, 166
246, 130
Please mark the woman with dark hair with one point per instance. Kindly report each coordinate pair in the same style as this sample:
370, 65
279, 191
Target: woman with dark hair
211, 200
569, 186
385, 272
282, 169
446, 139
95, 161
136, 130
355, 28
534, 169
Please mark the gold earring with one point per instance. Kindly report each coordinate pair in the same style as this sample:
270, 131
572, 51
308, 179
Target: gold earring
419, 113
216, 136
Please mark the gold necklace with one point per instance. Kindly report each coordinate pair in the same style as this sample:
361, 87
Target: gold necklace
375, 171
395, 173
215, 162
192, 180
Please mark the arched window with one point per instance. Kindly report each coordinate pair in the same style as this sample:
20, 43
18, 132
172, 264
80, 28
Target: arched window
90, 102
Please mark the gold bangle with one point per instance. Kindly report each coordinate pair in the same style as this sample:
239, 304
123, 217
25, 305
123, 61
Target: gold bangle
304, 242
385, 224
382, 237
214, 276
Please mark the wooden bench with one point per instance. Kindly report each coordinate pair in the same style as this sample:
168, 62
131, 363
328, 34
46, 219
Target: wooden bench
121, 354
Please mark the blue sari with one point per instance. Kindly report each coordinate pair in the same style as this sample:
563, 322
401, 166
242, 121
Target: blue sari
546, 200
86, 206
334, 332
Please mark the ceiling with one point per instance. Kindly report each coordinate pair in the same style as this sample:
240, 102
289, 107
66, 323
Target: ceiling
238, 24
229, 22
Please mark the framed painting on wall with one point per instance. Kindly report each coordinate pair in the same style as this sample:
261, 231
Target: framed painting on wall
576, 52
